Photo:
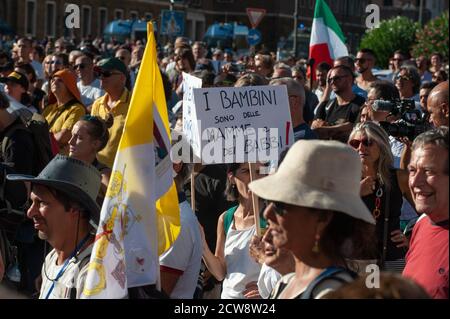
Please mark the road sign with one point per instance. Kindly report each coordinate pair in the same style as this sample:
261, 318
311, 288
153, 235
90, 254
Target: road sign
255, 15
172, 23
254, 37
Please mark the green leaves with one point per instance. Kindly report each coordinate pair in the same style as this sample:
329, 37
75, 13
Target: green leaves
433, 37
391, 35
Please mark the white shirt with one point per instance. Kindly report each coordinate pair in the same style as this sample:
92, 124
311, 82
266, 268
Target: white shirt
72, 278
38, 69
241, 268
185, 255
268, 278
91, 92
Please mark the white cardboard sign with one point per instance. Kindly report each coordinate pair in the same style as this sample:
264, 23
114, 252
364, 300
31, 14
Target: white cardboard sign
189, 113
237, 125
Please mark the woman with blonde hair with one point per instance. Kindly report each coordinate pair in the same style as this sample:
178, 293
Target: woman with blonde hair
382, 189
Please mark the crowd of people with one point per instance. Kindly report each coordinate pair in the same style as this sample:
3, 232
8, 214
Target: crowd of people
365, 183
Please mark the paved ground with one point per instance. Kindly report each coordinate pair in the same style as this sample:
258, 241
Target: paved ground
8, 291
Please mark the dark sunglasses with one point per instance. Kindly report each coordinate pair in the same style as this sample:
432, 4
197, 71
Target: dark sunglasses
106, 74
397, 59
360, 60
278, 207
81, 66
404, 78
336, 78
365, 141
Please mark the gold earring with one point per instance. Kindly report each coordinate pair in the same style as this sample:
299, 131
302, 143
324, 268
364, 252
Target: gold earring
315, 248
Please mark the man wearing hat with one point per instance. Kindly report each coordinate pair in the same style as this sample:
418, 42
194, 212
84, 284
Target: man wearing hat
314, 210
64, 211
113, 105
65, 108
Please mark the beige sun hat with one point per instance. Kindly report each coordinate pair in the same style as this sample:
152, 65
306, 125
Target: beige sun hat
317, 174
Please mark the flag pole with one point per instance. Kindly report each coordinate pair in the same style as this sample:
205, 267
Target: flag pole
193, 189
255, 202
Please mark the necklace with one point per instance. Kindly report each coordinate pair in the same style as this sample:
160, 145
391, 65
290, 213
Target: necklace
376, 211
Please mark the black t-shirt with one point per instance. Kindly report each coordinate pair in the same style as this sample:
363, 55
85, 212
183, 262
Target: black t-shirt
210, 199
334, 114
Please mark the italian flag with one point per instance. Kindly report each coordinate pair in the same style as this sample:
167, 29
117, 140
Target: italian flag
327, 40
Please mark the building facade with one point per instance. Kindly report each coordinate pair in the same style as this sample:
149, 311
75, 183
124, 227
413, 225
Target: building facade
41, 18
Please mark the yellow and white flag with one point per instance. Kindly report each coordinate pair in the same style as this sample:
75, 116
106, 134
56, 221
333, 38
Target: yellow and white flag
140, 217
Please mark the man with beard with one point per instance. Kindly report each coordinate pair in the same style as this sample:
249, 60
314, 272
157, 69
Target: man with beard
364, 62
335, 118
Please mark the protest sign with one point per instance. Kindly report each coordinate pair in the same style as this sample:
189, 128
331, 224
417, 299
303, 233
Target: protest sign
189, 113
237, 125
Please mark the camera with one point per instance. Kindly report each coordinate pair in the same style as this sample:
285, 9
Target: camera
411, 123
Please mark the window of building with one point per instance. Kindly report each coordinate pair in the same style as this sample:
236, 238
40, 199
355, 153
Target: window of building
134, 15
102, 19
86, 19
30, 17
118, 14
148, 16
50, 18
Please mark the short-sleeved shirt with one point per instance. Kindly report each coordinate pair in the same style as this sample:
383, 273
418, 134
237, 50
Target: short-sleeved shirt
427, 258
71, 283
334, 114
91, 92
185, 255
63, 117
119, 111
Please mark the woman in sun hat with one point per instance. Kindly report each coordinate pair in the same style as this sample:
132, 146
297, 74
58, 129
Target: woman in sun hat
315, 211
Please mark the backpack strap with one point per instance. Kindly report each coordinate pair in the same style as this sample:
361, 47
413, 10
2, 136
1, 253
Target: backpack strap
228, 218
331, 273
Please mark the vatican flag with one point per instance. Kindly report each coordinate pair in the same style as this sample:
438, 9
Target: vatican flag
140, 216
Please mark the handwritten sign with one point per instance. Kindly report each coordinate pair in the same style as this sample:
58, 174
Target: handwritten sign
189, 112
236, 125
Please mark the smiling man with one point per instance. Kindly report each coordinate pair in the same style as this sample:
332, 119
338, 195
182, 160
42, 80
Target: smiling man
63, 210
427, 259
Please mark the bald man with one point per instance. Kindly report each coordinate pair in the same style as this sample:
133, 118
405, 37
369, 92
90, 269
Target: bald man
437, 104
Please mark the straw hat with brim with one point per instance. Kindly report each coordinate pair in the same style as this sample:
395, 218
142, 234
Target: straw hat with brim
78, 180
317, 174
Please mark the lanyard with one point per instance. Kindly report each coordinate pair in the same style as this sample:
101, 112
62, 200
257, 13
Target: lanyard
66, 263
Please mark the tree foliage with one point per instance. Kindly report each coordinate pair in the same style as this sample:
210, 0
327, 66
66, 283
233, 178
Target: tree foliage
433, 37
394, 34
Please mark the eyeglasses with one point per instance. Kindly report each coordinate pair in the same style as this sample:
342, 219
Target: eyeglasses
54, 62
402, 78
122, 58
356, 143
81, 66
360, 60
278, 207
106, 73
336, 78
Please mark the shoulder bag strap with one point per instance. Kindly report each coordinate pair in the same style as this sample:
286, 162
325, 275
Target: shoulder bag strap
385, 226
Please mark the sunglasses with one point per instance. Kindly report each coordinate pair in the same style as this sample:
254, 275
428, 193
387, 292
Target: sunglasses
402, 78
397, 59
336, 78
356, 143
106, 74
278, 207
81, 66
360, 60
